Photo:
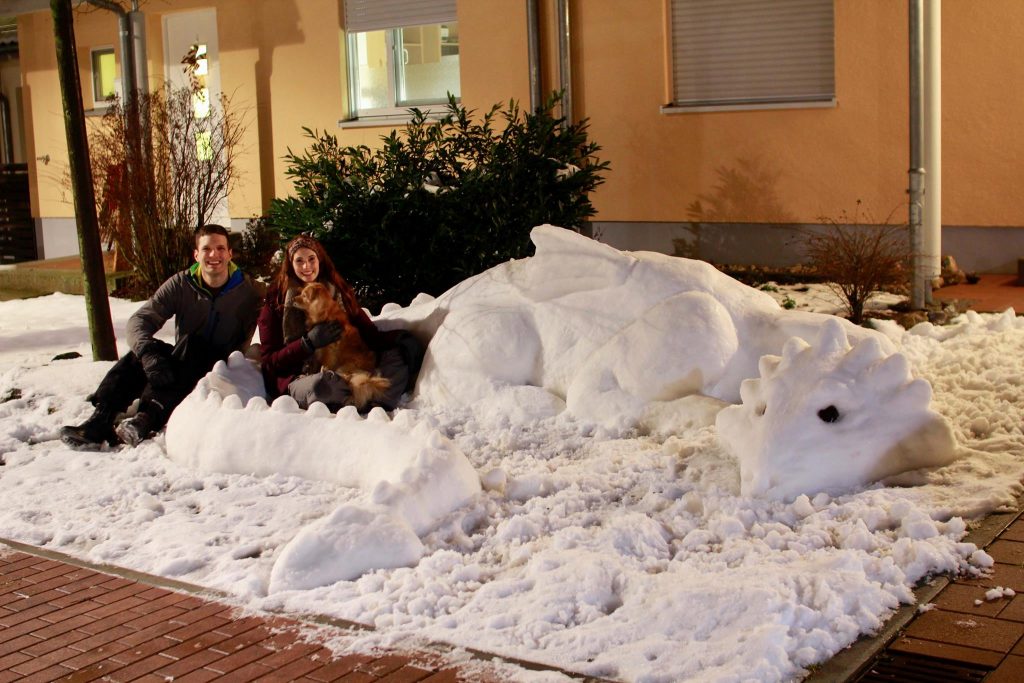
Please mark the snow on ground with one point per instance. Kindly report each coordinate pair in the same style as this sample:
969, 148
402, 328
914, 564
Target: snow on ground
617, 555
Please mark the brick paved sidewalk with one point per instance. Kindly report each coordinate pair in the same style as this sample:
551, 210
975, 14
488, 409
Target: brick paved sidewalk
964, 636
59, 621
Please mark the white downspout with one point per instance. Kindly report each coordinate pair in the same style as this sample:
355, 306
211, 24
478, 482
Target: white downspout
932, 152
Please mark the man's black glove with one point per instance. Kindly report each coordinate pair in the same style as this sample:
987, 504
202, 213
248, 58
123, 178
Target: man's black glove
156, 363
322, 334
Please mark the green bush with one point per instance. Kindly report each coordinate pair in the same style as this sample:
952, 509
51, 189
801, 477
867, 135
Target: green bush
442, 200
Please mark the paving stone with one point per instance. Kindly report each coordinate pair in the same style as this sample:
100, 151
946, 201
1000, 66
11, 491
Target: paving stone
44, 646
968, 630
239, 658
8, 619
336, 668
45, 676
383, 665
164, 615
407, 674
198, 676
94, 656
185, 665
1004, 575
203, 641
65, 613
1015, 532
12, 660
46, 661
1006, 551
242, 640
212, 609
19, 644
98, 639
959, 598
291, 672
1011, 670
139, 668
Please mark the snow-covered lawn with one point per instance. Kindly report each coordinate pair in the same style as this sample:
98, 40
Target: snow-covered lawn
618, 555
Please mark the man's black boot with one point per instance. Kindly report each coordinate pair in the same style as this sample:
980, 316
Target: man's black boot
92, 433
135, 429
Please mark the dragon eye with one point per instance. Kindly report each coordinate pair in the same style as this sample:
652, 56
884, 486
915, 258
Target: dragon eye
829, 414
760, 409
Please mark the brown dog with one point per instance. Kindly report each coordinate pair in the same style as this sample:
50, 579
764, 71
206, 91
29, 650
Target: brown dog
349, 356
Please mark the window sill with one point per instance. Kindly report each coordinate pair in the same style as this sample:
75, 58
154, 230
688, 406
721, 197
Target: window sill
390, 120
746, 106
97, 111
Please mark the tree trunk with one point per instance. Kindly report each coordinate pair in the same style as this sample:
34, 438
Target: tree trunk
101, 329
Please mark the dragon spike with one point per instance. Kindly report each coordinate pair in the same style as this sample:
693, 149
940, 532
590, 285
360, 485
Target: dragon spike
378, 414
203, 389
402, 419
318, 409
767, 365
917, 394
237, 360
793, 347
750, 391
285, 404
891, 373
831, 339
863, 354
232, 402
220, 368
257, 404
348, 413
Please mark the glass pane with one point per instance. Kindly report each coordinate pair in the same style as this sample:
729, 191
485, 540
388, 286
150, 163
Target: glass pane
103, 68
429, 68
372, 62
204, 145
200, 70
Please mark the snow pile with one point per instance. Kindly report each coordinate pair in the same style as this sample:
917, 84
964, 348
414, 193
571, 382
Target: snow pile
622, 340
411, 475
616, 553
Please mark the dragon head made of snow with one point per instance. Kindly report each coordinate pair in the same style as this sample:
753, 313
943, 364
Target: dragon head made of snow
828, 416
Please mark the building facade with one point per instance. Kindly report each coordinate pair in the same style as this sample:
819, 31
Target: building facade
728, 129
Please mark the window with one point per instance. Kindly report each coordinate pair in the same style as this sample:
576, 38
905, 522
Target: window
751, 54
103, 76
400, 55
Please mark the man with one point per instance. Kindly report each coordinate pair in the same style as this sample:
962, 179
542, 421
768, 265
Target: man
214, 306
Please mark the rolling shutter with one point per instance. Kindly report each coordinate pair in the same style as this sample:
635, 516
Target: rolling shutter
752, 52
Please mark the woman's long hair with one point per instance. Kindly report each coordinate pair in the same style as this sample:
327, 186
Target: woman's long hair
286, 276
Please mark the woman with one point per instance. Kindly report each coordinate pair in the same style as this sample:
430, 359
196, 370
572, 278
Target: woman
287, 348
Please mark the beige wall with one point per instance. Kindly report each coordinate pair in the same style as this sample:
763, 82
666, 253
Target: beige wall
282, 65
802, 164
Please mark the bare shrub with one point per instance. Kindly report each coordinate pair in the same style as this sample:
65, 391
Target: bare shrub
858, 257
159, 170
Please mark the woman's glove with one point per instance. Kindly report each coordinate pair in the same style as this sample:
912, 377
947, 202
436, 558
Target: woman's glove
322, 334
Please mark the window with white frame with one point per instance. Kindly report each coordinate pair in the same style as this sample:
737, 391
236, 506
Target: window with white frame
752, 54
103, 75
401, 54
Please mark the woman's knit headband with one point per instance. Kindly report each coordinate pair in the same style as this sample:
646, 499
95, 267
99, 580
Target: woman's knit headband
301, 242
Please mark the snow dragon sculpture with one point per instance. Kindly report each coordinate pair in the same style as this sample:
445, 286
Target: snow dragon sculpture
407, 474
622, 339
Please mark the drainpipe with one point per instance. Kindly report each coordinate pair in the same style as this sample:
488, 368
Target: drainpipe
131, 57
920, 289
932, 156
533, 49
5, 128
565, 59
137, 35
